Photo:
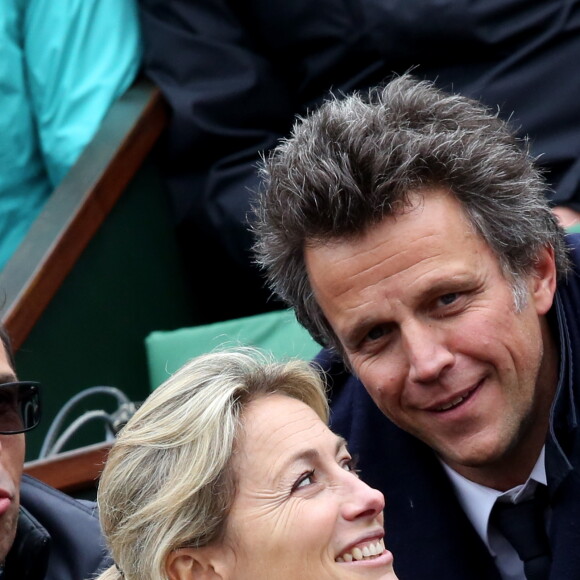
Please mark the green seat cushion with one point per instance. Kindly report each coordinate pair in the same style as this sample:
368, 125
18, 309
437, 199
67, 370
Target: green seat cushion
277, 332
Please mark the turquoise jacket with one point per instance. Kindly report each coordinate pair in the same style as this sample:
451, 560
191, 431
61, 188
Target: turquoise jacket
62, 63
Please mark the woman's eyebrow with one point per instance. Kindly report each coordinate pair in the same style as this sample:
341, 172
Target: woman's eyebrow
312, 454
308, 454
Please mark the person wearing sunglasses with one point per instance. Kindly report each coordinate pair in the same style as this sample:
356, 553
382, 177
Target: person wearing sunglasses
44, 534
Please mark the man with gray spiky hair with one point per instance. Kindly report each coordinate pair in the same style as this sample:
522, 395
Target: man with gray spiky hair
408, 228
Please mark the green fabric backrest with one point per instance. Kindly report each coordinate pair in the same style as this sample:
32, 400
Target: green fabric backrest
277, 332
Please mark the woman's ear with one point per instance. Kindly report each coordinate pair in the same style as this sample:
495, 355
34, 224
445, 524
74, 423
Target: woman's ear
195, 564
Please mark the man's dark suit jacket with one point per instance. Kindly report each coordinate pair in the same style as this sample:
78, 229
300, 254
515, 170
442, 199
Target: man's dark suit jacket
426, 529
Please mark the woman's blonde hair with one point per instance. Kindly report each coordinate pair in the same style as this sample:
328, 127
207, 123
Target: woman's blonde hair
168, 483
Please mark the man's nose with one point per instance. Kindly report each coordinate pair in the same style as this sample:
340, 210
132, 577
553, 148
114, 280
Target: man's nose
427, 352
361, 500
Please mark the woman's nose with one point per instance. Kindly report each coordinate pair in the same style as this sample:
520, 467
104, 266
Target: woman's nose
362, 501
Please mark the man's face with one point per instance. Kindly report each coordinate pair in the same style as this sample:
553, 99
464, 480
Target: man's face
11, 462
427, 321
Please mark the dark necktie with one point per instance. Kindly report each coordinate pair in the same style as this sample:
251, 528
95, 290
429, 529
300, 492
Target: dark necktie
524, 527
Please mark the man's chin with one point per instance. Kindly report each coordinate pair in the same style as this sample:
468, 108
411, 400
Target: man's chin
487, 466
8, 524
482, 454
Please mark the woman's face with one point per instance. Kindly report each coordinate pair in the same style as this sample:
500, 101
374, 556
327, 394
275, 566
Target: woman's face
300, 512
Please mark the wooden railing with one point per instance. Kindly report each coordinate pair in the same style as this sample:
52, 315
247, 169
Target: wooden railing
72, 471
78, 206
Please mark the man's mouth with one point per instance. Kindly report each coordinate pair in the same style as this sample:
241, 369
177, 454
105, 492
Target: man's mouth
456, 401
5, 501
365, 551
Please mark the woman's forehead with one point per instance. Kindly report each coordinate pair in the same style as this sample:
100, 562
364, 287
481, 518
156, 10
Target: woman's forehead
277, 425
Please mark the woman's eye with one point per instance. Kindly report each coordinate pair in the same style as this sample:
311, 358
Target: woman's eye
304, 480
351, 465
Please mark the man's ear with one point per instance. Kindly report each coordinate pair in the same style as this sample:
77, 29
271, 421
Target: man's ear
543, 282
196, 564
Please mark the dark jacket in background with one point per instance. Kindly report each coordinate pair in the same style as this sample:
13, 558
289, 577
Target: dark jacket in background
236, 72
58, 537
426, 528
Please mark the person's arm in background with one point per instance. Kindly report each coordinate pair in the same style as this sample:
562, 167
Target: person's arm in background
228, 103
236, 73
63, 63
80, 56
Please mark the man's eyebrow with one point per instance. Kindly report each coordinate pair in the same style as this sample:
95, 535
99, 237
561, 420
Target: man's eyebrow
449, 284
353, 334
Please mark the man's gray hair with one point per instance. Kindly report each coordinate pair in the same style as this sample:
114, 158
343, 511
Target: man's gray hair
355, 161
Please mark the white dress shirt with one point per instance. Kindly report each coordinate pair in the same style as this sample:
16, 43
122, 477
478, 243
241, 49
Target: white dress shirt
477, 502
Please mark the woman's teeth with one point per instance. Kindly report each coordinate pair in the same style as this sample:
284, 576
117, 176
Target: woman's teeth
368, 551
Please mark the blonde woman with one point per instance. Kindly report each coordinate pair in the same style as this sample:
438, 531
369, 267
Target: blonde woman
228, 471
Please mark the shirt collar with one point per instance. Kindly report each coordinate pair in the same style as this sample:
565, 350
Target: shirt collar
478, 500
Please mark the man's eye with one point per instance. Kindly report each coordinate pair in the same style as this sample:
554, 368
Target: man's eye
8, 401
376, 332
447, 299
304, 480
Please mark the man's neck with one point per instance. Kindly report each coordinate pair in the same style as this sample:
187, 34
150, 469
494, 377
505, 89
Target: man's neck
510, 471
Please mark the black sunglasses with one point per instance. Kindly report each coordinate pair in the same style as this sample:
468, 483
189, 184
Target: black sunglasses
19, 407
